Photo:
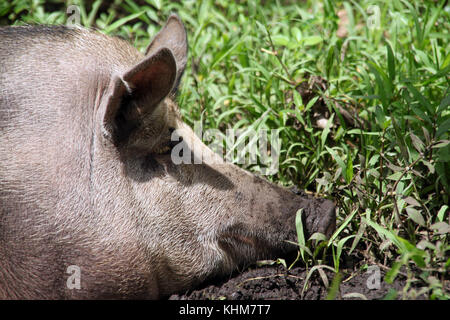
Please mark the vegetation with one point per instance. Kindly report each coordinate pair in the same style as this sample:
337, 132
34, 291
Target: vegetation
359, 91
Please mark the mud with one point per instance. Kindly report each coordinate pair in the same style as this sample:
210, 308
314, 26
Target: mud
278, 283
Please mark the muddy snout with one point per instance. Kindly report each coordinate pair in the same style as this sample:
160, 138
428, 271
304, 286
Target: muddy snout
319, 215
322, 220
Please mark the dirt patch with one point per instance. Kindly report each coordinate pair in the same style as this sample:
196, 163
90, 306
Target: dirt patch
278, 283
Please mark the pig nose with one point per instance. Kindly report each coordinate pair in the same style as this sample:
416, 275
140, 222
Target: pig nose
320, 216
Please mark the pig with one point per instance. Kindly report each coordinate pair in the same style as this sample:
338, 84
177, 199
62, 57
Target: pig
92, 204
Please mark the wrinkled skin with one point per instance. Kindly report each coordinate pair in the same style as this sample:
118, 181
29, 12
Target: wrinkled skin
86, 179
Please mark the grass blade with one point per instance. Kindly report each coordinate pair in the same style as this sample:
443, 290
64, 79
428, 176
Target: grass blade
121, 22
391, 62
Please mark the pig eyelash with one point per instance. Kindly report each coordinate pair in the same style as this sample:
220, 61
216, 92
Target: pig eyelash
163, 150
166, 149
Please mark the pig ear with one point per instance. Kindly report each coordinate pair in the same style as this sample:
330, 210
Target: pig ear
153, 78
147, 83
172, 36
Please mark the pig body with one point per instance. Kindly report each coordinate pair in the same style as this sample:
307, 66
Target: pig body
86, 179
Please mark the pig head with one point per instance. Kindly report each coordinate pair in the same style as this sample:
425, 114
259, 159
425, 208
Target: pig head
87, 177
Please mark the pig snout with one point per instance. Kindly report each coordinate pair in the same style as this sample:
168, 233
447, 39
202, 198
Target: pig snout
319, 215
321, 218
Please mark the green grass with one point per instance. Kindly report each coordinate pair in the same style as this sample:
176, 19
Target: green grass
389, 170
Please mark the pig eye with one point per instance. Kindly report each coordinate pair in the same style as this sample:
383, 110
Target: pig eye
163, 150
167, 147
